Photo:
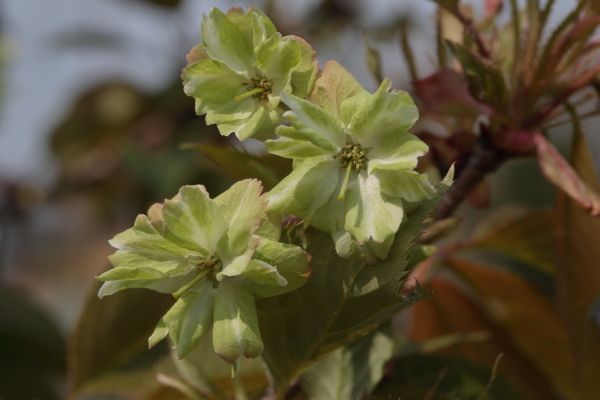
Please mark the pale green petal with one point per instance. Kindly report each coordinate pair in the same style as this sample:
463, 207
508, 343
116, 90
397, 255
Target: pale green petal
261, 273
330, 216
189, 318
371, 215
276, 58
316, 118
310, 185
270, 227
305, 73
260, 122
334, 86
237, 265
253, 23
352, 105
396, 151
290, 148
385, 112
291, 262
194, 219
235, 330
212, 83
292, 144
226, 42
161, 284
300, 132
145, 240
407, 185
243, 209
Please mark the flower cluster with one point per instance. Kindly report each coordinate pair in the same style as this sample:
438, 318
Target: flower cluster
353, 173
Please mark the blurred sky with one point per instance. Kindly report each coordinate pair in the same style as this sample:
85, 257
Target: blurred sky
60, 48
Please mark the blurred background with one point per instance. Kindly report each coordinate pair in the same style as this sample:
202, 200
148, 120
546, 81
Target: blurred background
94, 127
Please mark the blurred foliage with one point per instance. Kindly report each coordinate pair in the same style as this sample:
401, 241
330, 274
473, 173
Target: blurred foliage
521, 280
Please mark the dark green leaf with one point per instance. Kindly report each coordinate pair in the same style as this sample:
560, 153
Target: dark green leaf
349, 373
343, 300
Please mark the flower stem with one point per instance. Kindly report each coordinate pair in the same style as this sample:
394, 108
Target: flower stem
345, 184
249, 93
191, 283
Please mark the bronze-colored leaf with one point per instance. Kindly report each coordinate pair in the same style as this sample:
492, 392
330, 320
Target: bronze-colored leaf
578, 275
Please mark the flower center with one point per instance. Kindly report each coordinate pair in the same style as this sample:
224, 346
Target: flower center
208, 269
259, 87
351, 156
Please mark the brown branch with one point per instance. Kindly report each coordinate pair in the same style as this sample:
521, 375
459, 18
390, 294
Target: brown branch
482, 160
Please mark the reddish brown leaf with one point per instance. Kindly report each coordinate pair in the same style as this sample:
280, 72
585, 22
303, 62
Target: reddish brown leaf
447, 92
578, 275
451, 311
526, 316
559, 172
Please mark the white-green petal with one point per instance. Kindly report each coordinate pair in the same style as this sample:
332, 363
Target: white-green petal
226, 42
276, 57
144, 239
396, 151
259, 272
407, 185
260, 122
370, 214
305, 73
291, 262
316, 118
309, 186
383, 113
237, 265
212, 83
189, 318
243, 209
194, 219
235, 330
292, 143
161, 285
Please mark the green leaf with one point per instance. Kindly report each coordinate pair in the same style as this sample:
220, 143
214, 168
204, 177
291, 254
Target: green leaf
334, 86
349, 373
244, 208
344, 299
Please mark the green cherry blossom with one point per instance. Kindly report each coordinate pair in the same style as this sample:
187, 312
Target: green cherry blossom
353, 162
211, 255
240, 70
